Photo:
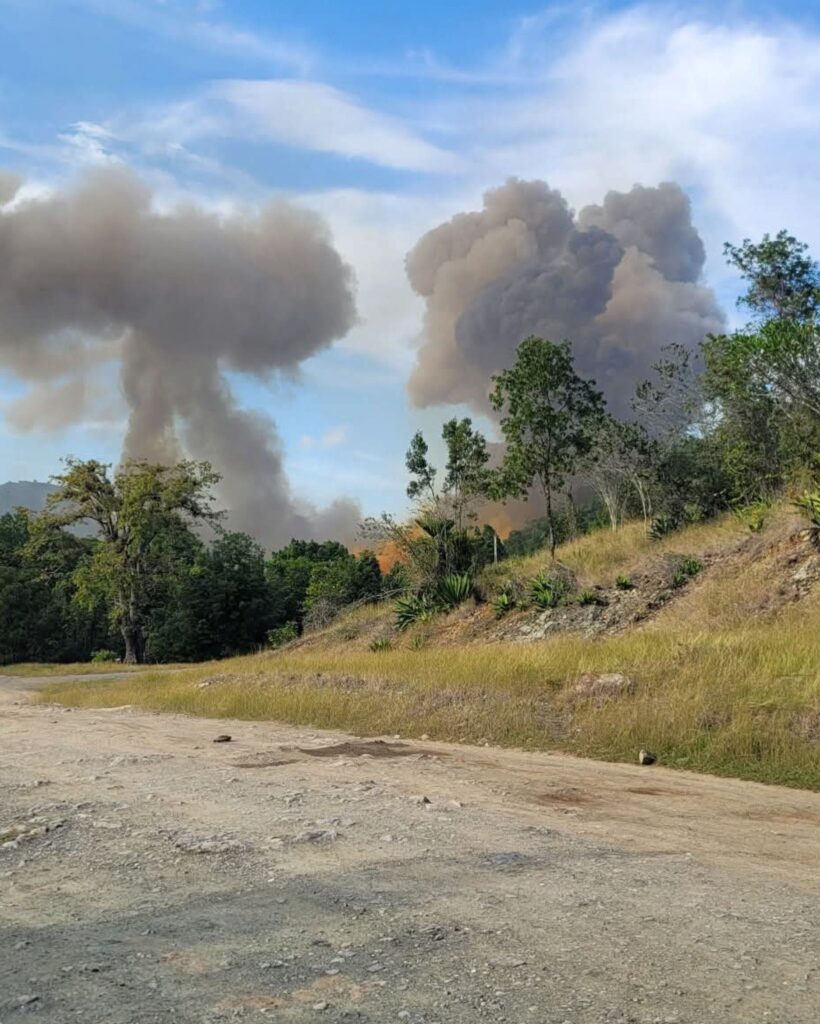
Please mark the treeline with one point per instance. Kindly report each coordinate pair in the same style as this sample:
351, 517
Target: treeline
727, 427
68, 598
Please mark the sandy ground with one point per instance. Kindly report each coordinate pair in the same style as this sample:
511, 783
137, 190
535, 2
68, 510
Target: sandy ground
148, 874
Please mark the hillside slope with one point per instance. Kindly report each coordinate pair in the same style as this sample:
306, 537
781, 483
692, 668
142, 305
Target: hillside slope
717, 671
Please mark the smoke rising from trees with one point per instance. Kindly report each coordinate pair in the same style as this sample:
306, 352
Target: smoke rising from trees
94, 273
620, 281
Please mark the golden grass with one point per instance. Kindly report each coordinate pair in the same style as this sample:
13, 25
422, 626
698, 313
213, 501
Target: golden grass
597, 558
37, 668
744, 702
720, 687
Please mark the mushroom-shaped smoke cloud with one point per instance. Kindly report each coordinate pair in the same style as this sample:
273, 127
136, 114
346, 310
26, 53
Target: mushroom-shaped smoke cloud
620, 281
96, 272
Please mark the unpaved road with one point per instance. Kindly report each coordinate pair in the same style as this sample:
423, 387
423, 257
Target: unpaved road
158, 877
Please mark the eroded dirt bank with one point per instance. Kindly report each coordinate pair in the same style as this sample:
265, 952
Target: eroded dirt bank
151, 875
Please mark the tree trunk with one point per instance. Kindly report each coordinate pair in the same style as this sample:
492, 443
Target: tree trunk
550, 523
572, 515
134, 644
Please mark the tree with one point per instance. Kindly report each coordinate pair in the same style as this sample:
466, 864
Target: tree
467, 478
784, 281
548, 413
133, 510
621, 458
422, 483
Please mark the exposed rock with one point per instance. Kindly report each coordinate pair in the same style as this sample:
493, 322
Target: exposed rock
602, 687
222, 738
644, 757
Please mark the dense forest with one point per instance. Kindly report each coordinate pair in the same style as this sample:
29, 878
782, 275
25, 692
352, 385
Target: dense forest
730, 426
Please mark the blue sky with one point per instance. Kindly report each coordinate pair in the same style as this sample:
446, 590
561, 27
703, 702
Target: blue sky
388, 118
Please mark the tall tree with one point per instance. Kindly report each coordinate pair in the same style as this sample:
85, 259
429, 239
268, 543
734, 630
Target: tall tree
133, 510
548, 412
783, 280
466, 476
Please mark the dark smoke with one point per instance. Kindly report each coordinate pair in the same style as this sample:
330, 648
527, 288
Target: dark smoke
620, 281
95, 272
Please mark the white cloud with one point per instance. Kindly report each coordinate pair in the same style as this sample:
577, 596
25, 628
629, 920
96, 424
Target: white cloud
316, 116
331, 438
191, 21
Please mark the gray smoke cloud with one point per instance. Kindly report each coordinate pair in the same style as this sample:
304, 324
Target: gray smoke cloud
620, 281
95, 272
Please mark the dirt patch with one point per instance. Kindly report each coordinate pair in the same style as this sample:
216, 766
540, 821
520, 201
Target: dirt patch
262, 760
655, 791
567, 795
371, 748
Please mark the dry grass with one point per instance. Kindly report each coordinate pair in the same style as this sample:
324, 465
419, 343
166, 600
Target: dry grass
38, 668
717, 689
743, 702
597, 558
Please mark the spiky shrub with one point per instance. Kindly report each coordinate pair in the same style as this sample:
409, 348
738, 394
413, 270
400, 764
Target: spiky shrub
503, 603
587, 597
380, 644
687, 568
416, 608
624, 583
548, 591
809, 505
453, 590
662, 525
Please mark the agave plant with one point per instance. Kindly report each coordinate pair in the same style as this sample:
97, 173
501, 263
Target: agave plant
412, 609
809, 505
548, 591
503, 603
454, 589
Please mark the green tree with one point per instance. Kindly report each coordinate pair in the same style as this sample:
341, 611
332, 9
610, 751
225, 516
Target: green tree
547, 415
133, 510
466, 478
783, 280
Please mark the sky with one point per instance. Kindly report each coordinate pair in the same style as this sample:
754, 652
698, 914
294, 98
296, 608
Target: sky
387, 118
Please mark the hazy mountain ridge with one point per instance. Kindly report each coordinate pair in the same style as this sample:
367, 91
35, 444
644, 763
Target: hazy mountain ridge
30, 494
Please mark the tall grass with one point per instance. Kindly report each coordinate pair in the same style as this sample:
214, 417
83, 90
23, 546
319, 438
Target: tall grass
721, 685
743, 702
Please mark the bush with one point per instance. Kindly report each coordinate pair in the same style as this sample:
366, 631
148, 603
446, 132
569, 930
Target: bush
503, 603
380, 644
281, 635
416, 608
587, 597
624, 583
662, 525
105, 655
548, 590
809, 505
687, 568
754, 515
453, 590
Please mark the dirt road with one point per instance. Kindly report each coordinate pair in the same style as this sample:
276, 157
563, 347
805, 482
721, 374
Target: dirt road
148, 874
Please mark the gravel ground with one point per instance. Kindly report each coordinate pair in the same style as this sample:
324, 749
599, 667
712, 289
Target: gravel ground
149, 875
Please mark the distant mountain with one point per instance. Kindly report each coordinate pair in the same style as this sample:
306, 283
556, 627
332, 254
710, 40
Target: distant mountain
26, 493
32, 494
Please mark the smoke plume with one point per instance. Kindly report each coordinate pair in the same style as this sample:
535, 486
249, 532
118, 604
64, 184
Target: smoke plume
620, 281
95, 273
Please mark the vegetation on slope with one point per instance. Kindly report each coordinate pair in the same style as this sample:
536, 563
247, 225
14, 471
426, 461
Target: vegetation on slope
732, 689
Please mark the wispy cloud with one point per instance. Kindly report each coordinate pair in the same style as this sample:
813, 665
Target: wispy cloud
193, 21
316, 116
332, 438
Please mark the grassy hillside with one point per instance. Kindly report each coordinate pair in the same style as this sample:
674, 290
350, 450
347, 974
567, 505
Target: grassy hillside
724, 676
